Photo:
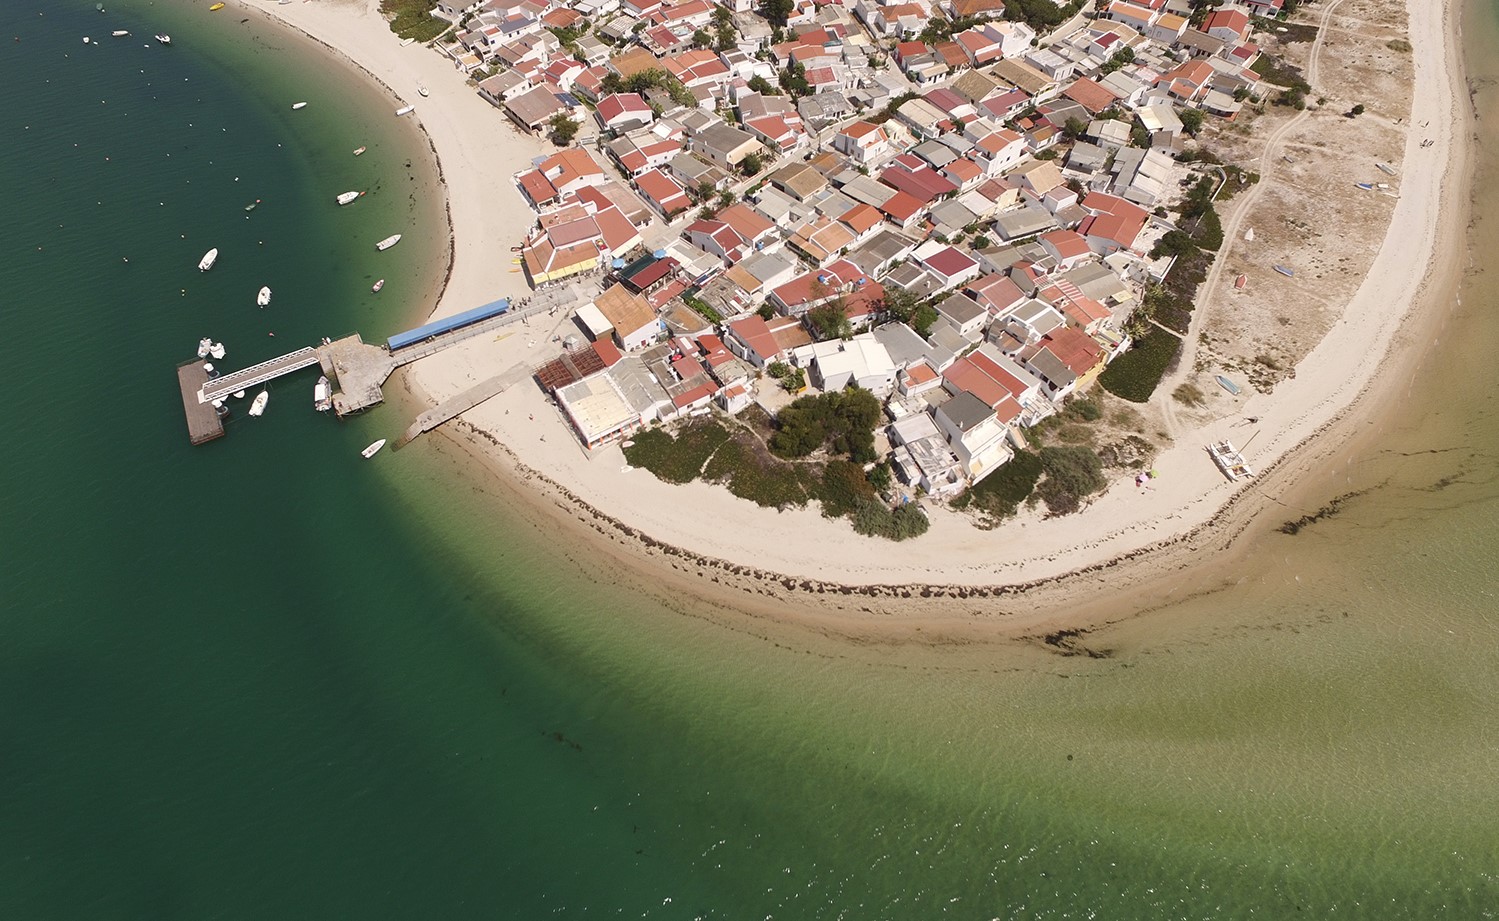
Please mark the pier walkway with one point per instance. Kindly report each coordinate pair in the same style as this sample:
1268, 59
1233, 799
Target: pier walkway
463, 402
221, 387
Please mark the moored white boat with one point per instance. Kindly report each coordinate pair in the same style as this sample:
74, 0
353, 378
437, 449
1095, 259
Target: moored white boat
370, 452
359, 150
322, 395
208, 259
405, 110
298, 105
205, 345
375, 288
257, 406
264, 297
164, 38
119, 33
218, 351
345, 197
388, 242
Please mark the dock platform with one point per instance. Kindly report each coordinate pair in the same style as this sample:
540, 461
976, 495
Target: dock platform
359, 371
221, 387
462, 402
203, 422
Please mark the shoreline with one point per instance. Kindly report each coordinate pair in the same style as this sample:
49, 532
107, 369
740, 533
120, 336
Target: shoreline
1145, 536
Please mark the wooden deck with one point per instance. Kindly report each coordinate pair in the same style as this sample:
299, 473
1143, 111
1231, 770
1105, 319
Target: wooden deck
203, 423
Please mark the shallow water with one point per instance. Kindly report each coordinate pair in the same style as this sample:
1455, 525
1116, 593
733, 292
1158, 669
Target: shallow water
262, 678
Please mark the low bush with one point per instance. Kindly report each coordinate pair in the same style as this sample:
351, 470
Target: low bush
844, 486
679, 459
1134, 375
1000, 493
873, 518
762, 481
1072, 474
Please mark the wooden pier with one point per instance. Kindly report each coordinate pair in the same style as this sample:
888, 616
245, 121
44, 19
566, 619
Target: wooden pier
462, 402
203, 422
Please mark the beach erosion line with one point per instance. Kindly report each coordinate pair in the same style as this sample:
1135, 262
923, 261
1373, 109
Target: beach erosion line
1173, 534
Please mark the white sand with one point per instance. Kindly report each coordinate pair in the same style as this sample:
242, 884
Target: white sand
479, 150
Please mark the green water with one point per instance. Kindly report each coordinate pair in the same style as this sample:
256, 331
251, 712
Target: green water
263, 679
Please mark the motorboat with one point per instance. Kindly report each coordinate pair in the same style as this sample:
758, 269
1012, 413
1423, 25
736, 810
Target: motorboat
239, 394
1227, 384
298, 105
257, 405
373, 449
264, 297
220, 408
86, 39
215, 8
209, 258
359, 150
209, 370
346, 197
218, 351
163, 38
119, 33
322, 395
405, 110
375, 289
205, 345
388, 242
253, 205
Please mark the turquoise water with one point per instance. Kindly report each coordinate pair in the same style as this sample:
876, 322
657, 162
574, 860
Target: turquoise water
264, 679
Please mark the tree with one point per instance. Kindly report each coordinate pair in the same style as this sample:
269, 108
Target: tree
830, 322
726, 198
1356, 111
765, 312
922, 321
564, 129
1074, 129
763, 86
751, 164
701, 38
899, 304
778, 370
776, 12
1192, 120
794, 80
1121, 58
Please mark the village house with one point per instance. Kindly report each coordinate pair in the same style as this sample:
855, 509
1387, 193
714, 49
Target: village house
975, 434
623, 112
922, 459
861, 360
632, 321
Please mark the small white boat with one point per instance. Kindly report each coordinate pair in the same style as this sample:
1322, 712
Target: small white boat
208, 259
1227, 384
205, 345
346, 197
405, 110
264, 297
164, 38
322, 395
298, 105
257, 406
388, 242
373, 449
218, 351
208, 369
239, 394
375, 289
86, 39
422, 90
119, 33
359, 150
1230, 461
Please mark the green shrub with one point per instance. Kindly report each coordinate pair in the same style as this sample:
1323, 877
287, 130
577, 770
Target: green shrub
844, 486
875, 519
1072, 474
679, 459
1001, 492
748, 476
1134, 375
843, 420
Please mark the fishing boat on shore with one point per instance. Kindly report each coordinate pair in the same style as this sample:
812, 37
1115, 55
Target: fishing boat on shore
263, 298
1227, 384
388, 242
1229, 460
405, 110
375, 289
346, 197
359, 150
209, 258
322, 395
257, 405
1366, 186
373, 449
422, 90
1289, 273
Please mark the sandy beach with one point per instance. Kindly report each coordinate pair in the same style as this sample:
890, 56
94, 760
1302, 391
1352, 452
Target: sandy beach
1339, 389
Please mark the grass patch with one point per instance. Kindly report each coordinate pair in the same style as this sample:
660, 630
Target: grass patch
1134, 375
1072, 474
876, 519
1399, 44
414, 19
677, 459
1188, 394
